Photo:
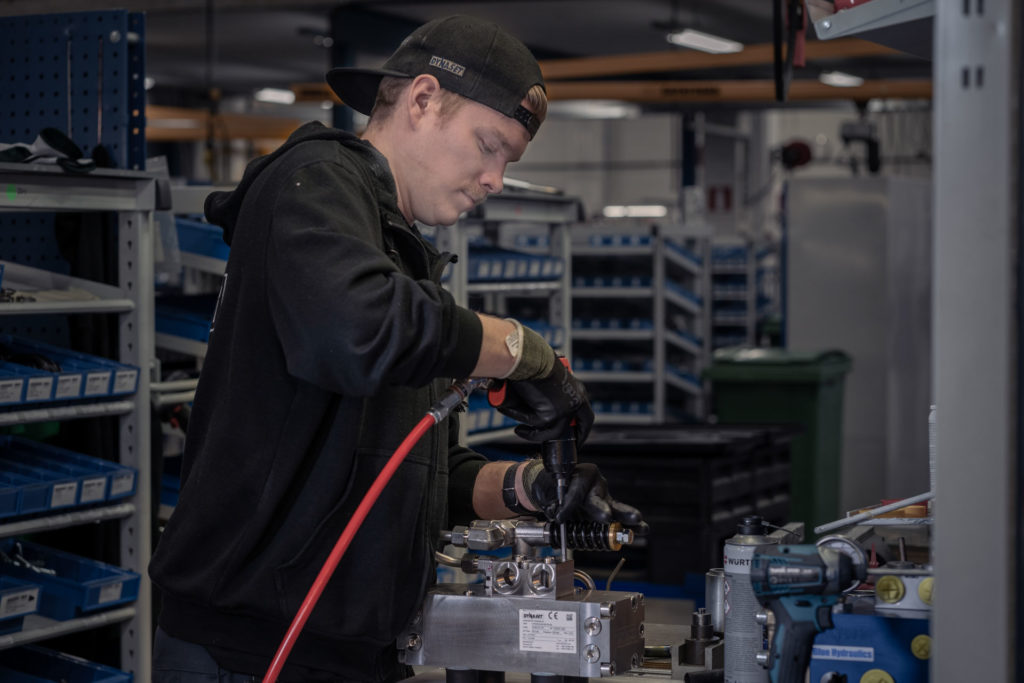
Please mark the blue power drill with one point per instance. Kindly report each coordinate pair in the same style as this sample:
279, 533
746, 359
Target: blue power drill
799, 584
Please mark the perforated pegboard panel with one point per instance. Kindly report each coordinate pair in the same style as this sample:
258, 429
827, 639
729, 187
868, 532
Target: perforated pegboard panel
80, 72
50, 329
28, 238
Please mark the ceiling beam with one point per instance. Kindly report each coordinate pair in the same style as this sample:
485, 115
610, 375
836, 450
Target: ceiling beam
688, 60
664, 92
181, 124
758, 91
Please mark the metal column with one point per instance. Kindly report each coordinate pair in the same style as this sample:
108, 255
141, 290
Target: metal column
976, 349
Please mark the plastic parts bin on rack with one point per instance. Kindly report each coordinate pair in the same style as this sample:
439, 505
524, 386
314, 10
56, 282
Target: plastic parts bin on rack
76, 586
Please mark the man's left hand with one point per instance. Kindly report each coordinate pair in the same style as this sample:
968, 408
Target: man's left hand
586, 496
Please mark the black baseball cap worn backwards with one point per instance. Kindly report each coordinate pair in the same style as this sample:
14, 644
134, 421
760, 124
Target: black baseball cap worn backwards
469, 56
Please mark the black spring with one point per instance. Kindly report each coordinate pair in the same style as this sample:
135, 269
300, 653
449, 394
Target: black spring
582, 535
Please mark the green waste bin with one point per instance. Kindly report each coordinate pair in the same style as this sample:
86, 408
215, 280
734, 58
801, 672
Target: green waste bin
801, 389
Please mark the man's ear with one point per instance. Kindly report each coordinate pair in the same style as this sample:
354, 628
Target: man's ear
422, 96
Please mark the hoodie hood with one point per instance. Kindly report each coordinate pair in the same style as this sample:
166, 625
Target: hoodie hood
222, 208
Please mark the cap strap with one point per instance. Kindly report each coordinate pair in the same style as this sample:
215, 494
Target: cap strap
527, 118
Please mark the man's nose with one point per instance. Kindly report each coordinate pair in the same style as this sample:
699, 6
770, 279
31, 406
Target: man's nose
493, 181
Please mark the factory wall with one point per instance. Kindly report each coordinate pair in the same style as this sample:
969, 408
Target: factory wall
617, 161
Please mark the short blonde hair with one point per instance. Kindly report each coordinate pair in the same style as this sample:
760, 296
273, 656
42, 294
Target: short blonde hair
392, 87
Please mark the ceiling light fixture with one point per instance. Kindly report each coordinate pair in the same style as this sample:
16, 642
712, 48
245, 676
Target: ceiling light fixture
705, 42
635, 211
593, 109
840, 79
275, 95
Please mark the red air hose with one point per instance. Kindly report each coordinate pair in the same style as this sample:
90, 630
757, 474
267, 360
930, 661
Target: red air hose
458, 392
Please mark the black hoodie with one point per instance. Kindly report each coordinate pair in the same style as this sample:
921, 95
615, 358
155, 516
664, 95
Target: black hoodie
331, 339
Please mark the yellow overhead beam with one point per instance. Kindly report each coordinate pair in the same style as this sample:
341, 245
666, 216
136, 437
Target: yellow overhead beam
688, 60
753, 91
181, 124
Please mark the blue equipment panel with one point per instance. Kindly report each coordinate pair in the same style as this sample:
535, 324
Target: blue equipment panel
860, 643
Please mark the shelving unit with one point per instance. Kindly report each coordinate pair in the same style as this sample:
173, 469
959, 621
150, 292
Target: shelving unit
639, 320
32, 188
513, 231
733, 294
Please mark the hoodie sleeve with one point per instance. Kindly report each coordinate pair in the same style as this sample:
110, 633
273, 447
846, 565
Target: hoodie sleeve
348, 319
463, 466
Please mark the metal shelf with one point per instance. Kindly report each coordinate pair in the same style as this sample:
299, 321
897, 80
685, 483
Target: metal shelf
41, 187
615, 375
616, 292
613, 250
611, 334
683, 343
206, 264
38, 628
684, 384
184, 345
682, 302
623, 418
66, 412
524, 286
67, 519
729, 296
729, 270
522, 208
27, 280
901, 24
680, 260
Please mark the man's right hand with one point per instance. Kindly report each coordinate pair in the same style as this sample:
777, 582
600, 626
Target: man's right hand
545, 406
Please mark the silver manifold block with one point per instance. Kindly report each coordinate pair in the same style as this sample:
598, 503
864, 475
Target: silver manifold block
527, 615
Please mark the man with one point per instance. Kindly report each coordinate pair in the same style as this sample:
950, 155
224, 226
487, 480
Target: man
331, 339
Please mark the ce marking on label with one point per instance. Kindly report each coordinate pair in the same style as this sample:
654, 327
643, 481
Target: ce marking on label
553, 615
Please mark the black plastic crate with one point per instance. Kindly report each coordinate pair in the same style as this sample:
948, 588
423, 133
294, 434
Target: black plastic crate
694, 484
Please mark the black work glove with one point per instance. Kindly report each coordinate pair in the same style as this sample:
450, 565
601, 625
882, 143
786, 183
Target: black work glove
546, 407
586, 497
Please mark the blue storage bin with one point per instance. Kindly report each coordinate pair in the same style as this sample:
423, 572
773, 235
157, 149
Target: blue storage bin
10, 497
57, 489
185, 316
33, 664
170, 486
81, 374
489, 263
18, 599
39, 385
201, 238
92, 487
29, 494
12, 388
100, 479
79, 586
